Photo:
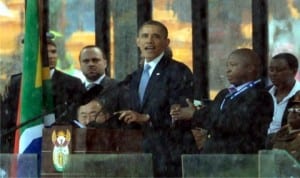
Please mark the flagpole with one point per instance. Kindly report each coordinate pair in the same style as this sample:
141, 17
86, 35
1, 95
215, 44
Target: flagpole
44, 28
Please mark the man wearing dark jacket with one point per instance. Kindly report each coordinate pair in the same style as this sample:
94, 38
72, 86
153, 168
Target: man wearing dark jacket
237, 119
66, 91
156, 85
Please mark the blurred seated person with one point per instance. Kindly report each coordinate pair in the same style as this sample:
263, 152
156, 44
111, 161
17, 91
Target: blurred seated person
288, 137
96, 114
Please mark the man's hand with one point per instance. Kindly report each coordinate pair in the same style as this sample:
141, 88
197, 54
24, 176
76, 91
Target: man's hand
129, 116
180, 113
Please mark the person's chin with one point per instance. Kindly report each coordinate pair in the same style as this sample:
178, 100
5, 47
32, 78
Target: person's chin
230, 80
93, 76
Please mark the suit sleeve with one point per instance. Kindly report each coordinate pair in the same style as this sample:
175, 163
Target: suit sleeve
250, 113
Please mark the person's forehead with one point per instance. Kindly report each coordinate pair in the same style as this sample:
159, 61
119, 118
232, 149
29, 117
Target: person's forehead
50, 46
236, 58
82, 109
151, 28
279, 62
93, 105
91, 52
241, 59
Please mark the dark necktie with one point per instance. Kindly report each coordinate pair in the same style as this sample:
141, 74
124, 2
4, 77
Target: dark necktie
91, 85
144, 81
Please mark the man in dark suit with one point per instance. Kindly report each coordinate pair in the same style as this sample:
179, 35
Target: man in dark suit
67, 89
169, 82
93, 64
9, 112
237, 119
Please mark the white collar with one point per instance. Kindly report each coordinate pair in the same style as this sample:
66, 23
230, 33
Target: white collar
295, 88
153, 63
98, 81
52, 72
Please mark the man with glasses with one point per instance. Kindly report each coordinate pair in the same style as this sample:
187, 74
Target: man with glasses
96, 114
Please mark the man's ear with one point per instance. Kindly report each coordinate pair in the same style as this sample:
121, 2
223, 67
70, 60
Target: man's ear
167, 42
137, 41
295, 71
105, 63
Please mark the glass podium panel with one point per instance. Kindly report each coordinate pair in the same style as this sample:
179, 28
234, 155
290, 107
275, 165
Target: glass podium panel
271, 163
18, 165
278, 163
109, 165
219, 165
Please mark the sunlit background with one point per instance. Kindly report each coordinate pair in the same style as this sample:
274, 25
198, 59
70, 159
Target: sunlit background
72, 22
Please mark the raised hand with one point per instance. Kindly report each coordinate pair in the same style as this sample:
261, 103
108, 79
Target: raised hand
183, 113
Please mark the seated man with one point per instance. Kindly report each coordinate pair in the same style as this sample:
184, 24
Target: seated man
95, 114
288, 137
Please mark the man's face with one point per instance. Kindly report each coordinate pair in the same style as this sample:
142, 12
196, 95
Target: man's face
152, 41
236, 70
89, 112
280, 73
52, 55
92, 63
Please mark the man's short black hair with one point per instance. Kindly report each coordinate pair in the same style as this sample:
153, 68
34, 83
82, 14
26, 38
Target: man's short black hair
290, 59
156, 23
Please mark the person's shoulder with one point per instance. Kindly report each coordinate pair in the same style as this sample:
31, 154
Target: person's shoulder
110, 80
15, 77
179, 67
66, 76
260, 90
221, 93
259, 94
297, 85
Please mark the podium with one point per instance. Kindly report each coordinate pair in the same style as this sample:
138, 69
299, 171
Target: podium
60, 140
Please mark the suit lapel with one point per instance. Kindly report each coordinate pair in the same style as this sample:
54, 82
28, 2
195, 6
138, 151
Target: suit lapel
105, 84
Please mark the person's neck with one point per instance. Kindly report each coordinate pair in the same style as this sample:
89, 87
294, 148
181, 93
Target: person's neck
285, 88
93, 80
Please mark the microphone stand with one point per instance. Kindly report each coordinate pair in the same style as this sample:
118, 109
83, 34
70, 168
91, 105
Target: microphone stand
13, 129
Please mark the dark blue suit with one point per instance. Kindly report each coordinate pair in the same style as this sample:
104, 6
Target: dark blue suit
170, 83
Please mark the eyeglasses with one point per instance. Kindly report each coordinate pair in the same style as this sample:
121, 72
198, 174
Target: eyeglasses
297, 110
